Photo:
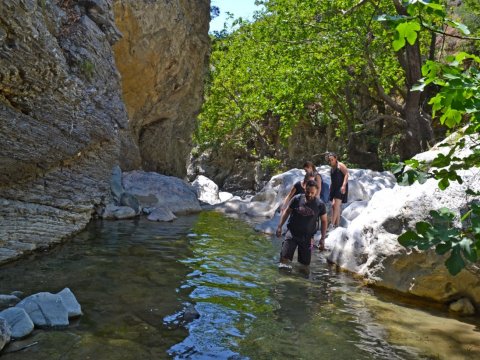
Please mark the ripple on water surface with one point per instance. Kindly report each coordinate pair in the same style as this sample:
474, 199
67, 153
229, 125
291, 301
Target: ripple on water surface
208, 287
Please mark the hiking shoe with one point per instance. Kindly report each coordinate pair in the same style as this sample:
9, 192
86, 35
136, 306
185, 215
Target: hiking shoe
285, 266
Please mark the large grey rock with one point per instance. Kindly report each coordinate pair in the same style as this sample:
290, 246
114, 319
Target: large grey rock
20, 323
155, 190
131, 201
45, 309
70, 301
5, 333
230, 170
62, 120
163, 57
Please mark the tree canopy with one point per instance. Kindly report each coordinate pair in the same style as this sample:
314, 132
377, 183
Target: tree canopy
335, 57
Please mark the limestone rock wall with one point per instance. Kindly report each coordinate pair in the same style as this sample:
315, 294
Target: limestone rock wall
62, 118
162, 57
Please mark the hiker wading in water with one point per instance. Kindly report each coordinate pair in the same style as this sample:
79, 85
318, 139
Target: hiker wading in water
302, 213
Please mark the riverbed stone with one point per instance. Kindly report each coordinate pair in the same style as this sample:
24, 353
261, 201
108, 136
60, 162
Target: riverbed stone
112, 212
157, 191
225, 196
20, 323
70, 301
462, 306
8, 301
5, 333
45, 310
131, 201
207, 190
161, 214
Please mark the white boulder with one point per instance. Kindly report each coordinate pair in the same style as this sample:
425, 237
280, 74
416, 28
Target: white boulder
207, 190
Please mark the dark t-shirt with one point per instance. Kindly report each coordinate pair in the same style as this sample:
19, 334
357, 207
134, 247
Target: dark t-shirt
298, 188
303, 219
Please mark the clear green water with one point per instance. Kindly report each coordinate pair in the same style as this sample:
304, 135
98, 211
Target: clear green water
135, 278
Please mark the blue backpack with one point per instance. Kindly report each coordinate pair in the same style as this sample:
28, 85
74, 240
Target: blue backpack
325, 192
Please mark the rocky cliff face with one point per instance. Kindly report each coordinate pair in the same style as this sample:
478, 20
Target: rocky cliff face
162, 57
63, 122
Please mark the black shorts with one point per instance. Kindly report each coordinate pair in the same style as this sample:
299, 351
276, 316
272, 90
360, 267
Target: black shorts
291, 243
337, 194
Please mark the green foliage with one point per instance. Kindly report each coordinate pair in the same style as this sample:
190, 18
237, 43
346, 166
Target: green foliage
459, 80
462, 244
270, 165
458, 102
263, 75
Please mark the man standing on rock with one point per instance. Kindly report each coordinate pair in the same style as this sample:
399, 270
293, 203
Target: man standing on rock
303, 213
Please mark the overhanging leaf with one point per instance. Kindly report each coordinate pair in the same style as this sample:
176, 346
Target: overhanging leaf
408, 238
455, 262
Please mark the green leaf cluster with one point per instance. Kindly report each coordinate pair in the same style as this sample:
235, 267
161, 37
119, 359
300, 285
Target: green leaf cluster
458, 103
463, 245
264, 75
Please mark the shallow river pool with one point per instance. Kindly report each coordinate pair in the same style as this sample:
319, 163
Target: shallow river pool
208, 287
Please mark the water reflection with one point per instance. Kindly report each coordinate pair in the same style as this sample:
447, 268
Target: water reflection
208, 287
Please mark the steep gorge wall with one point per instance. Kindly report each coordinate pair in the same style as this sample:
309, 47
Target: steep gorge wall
162, 57
63, 121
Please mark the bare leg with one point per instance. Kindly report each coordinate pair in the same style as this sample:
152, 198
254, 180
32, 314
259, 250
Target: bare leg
337, 205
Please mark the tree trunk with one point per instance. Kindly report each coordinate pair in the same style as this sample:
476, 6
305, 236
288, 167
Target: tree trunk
418, 132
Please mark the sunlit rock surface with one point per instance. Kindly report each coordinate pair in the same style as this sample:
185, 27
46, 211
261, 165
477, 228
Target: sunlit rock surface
369, 246
62, 119
163, 57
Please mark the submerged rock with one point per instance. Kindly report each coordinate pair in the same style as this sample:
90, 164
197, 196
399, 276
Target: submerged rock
20, 323
70, 301
161, 214
5, 333
45, 310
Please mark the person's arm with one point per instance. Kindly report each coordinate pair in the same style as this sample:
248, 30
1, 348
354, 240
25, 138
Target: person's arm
288, 198
324, 221
344, 171
283, 218
318, 179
